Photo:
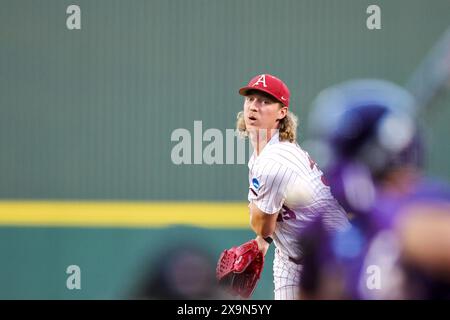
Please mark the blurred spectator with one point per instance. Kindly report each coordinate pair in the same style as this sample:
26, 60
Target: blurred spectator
368, 143
179, 273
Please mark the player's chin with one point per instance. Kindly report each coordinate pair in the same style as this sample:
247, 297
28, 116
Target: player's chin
251, 125
252, 130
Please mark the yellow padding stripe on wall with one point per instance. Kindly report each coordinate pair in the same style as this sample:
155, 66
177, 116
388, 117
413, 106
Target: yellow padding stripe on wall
124, 214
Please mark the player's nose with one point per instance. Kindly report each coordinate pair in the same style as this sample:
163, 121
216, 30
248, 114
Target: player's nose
253, 106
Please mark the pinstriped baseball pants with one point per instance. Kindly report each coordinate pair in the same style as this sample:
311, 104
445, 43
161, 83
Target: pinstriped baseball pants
286, 277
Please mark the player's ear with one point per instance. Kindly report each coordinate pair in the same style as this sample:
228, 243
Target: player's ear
282, 113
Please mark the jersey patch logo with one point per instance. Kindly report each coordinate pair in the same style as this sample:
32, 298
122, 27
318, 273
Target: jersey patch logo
255, 183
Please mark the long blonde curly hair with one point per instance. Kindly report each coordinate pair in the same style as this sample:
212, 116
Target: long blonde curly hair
287, 126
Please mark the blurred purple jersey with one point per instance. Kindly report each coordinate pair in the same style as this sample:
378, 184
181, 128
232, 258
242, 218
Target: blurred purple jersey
364, 262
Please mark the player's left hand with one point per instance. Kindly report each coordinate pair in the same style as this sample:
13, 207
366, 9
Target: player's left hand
263, 245
239, 268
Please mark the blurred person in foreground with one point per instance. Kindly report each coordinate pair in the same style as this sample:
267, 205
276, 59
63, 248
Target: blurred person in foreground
368, 143
181, 273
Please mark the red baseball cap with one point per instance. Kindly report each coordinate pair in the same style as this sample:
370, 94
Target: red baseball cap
270, 85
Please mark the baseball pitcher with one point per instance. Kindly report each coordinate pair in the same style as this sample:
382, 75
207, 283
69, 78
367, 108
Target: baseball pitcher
286, 191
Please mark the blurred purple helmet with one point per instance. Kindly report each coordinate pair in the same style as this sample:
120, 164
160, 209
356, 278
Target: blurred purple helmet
360, 130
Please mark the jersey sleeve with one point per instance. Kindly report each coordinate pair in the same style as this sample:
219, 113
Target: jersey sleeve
268, 187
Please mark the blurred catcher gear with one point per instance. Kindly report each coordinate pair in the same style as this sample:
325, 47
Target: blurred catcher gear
366, 128
239, 269
370, 121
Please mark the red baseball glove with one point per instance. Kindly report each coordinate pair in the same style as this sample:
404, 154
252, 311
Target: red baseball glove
239, 268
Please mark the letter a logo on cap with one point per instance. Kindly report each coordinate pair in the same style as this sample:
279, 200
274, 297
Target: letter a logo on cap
262, 80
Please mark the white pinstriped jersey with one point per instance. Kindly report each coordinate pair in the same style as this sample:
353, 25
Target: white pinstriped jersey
280, 168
